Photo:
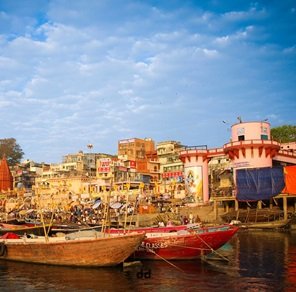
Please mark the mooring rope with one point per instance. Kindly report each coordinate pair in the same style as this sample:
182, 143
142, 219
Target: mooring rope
190, 247
214, 251
168, 262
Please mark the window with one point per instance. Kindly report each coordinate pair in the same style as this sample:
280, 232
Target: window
241, 138
264, 137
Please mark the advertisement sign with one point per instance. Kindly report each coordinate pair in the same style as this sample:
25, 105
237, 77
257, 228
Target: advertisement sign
132, 164
193, 180
104, 165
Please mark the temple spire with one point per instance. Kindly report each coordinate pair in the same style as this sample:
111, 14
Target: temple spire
6, 179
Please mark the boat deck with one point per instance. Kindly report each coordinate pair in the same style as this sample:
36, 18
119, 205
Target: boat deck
82, 236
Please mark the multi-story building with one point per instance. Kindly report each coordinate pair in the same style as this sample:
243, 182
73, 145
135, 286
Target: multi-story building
76, 175
134, 150
106, 172
82, 162
154, 171
135, 154
24, 175
171, 167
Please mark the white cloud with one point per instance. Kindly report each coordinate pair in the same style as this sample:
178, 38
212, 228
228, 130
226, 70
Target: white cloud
158, 72
251, 14
290, 50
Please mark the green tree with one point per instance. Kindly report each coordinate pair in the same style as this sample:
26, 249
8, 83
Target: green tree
284, 134
11, 150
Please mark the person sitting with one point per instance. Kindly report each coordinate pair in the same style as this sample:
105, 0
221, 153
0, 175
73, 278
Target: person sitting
185, 220
160, 224
170, 223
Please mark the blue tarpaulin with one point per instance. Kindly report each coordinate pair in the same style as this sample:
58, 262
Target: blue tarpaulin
259, 184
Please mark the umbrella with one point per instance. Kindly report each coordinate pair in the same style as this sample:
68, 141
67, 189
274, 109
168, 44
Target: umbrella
116, 205
96, 204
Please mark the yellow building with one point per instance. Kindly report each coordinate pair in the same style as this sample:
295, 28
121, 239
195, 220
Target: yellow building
171, 168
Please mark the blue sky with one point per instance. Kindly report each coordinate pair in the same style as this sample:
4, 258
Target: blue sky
98, 71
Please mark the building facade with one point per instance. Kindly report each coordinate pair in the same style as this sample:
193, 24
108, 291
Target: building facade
167, 168
171, 168
250, 146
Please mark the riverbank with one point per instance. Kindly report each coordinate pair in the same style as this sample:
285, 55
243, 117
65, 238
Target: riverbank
186, 214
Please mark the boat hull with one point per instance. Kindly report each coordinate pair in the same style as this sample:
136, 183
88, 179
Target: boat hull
254, 215
181, 243
277, 224
92, 252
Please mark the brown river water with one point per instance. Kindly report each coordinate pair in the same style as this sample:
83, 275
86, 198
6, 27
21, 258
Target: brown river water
258, 261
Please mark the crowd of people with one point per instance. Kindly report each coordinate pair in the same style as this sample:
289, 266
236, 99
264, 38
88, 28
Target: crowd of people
95, 212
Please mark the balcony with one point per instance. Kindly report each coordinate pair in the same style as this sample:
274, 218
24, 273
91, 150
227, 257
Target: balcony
233, 148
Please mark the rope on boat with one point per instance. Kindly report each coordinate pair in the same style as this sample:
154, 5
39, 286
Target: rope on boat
190, 247
50, 222
168, 262
214, 251
198, 248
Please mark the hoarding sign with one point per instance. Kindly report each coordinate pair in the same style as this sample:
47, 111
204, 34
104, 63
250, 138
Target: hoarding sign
193, 180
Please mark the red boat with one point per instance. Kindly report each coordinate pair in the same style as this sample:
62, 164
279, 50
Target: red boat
181, 242
157, 229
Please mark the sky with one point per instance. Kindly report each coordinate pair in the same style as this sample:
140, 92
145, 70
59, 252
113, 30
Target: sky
74, 73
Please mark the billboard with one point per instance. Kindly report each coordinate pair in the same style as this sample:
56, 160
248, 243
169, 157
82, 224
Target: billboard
193, 181
104, 165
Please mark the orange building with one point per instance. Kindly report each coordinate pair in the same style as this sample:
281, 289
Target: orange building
134, 152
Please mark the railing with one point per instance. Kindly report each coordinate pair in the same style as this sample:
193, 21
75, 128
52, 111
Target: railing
251, 142
199, 147
291, 152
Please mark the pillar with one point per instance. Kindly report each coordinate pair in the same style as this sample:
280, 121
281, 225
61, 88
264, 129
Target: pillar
215, 209
285, 206
235, 205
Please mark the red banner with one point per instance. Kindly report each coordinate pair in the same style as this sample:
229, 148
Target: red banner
175, 174
132, 164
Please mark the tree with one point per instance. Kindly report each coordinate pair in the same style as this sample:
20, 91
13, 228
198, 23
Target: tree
11, 150
284, 134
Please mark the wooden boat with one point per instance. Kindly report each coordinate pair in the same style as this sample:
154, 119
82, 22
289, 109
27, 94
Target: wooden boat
70, 228
22, 229
253, 215
276, 224
183, 244
106, 250
257, 218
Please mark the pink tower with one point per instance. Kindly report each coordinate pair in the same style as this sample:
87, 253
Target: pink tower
195, 161
251, 145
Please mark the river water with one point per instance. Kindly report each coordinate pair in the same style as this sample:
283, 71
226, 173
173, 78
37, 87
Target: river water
258, 261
